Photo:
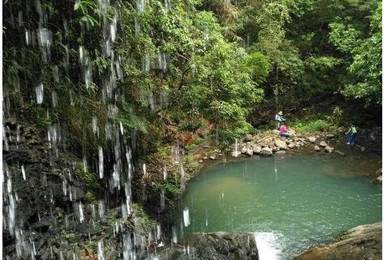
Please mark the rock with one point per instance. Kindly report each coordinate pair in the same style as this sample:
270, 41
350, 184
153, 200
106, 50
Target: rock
248, 138
235, 154
328, 149
339, 152
256, 149
250, 151
266, 151
266, 142
291, 145
359, 243
212, 157
244, 150
323, 144
317, 148
312, 139
330, 136
281, 144
281, 152
221, 245
379, 179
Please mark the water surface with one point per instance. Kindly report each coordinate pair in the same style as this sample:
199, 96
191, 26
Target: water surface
290, 202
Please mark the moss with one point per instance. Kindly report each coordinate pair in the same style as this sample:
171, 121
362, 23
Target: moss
90, 198
91, 182
170, 190
148, 223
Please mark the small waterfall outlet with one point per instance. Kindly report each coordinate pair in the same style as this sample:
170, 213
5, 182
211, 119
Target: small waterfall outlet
266, 243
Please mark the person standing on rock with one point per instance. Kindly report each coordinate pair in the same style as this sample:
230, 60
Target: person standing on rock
353, 131
279, 119
284, 132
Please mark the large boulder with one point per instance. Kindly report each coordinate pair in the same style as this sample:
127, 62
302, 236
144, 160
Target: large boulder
256, 149
359, 243
281, 144
323, 144
214, 246
248, 138
266, 151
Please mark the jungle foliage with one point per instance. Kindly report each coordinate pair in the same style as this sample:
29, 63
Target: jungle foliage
184, 62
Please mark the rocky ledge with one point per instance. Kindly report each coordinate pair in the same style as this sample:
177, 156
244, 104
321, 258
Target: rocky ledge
271, 142
360, 243
214, 246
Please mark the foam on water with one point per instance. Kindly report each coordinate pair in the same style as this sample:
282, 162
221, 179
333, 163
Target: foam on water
267, 245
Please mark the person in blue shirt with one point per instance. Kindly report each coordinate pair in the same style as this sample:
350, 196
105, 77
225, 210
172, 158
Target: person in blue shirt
279, 119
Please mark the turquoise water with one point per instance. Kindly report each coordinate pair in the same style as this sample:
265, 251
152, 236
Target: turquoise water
290, 202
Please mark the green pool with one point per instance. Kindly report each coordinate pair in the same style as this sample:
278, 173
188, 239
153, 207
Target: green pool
291, 203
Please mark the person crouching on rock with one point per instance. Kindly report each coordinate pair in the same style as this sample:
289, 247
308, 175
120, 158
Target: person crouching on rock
283, 131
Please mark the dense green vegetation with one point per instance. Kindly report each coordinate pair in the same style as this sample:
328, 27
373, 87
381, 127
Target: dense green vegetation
223, 65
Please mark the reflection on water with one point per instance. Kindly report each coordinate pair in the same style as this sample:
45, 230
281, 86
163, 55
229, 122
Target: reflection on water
298, 201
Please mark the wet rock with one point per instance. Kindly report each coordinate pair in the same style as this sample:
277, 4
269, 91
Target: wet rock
379, 179
256, 149
235, 154
339, 152
266, 151
323, 144
312, 139
214, 246
281, 144
328, 149
359, 243
317, 148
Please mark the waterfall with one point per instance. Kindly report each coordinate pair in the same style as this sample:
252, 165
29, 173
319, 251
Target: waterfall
236, 152
39, 93
186, 217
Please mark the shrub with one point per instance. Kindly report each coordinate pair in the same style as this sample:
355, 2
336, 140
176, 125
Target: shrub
313, 126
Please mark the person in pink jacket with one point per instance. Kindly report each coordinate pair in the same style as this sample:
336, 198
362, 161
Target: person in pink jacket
284, 132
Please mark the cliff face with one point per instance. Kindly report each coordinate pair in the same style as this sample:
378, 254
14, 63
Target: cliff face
362, 242
55, 207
